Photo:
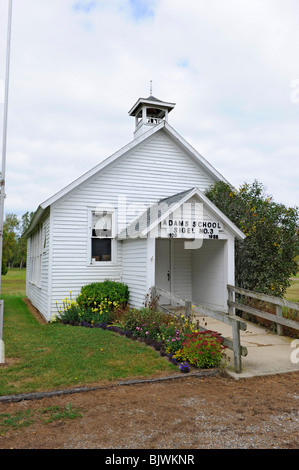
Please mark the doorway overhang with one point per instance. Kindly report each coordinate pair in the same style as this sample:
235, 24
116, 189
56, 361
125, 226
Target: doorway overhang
150, 222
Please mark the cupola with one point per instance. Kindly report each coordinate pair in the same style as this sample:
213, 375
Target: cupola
149, 112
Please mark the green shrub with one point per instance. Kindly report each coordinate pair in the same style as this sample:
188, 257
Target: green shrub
71, 314
137, 318
97, 314
94, 309
143, 322
265, 260
109, 294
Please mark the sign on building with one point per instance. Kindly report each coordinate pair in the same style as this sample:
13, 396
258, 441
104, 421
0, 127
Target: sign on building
189, 221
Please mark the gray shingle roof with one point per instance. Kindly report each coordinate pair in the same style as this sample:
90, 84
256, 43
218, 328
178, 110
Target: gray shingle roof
153, 98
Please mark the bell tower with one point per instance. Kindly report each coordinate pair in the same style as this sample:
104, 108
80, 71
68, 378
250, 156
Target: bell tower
149, 112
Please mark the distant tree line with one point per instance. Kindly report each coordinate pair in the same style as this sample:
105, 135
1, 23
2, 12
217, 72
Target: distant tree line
14, 243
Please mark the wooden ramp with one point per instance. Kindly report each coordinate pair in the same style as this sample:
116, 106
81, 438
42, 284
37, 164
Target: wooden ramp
268, 353
252, 350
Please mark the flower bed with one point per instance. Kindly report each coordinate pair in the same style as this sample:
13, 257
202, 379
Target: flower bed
174, 337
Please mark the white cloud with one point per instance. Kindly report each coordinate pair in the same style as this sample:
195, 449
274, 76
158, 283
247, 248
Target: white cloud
78, 66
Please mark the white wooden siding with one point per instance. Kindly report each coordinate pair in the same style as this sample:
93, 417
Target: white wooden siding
181, 270
155, 169
209, 274
38, 294
134, 272
70, 270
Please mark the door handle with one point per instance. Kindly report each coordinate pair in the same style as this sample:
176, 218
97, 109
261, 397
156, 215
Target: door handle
168, 275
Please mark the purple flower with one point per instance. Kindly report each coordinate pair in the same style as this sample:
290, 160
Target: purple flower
183, 366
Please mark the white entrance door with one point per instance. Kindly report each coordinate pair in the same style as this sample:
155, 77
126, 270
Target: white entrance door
163, 266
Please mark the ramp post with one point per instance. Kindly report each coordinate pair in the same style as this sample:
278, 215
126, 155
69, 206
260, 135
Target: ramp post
237, 346
187, 309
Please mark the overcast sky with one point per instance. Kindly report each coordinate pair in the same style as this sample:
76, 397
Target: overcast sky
78, 66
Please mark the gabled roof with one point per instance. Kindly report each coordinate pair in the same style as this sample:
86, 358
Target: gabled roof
157, 212
216, 176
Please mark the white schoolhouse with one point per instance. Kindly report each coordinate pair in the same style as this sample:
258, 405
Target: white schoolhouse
139, 217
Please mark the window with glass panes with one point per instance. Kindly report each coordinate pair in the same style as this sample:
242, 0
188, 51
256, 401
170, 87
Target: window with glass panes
101, 236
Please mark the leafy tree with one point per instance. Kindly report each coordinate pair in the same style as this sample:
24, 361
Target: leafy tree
4, 252
265, 260
22, 241
11, 227
14, 243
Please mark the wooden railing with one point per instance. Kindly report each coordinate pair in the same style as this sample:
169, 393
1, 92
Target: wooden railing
279, 303
236, 323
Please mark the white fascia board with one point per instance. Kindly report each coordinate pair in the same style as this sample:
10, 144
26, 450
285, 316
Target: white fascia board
170, 210
183, 143
131, 145
210, 205
36, 217
156, 104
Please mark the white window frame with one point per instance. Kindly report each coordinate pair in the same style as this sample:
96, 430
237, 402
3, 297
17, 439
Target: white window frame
91, 211
36, 254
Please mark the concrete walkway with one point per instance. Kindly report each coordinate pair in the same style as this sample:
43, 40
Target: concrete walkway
268, 353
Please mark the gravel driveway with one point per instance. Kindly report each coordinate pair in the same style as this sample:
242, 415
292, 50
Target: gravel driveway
215, 412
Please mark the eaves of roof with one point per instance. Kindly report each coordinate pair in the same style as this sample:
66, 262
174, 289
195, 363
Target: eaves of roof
112, 158
157, 212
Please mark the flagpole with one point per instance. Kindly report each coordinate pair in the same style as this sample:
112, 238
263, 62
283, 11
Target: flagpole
2, 188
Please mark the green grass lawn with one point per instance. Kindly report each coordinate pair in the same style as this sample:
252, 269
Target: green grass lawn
293, 291
14, 282
56, 356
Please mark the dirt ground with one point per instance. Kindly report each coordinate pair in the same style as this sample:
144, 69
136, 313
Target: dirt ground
212, 412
